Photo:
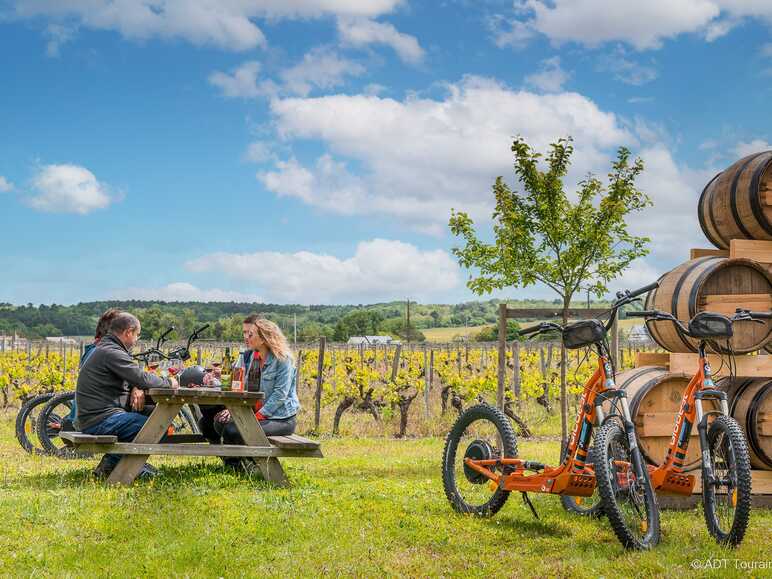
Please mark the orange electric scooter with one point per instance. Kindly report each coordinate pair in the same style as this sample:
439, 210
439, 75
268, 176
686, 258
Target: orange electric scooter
480, 464
725, 465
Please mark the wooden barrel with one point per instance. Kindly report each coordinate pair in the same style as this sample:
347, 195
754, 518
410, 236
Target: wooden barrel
654, 395
714, 284
750, 403
737, 203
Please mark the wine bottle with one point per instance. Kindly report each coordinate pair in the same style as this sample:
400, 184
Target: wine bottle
227, 370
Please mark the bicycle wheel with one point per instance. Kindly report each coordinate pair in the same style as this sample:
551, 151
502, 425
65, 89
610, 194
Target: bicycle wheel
591, 506
53, 419
26, 421
727, 497
481, 432
628, 501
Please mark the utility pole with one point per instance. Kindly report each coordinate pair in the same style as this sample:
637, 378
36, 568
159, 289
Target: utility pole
295, 328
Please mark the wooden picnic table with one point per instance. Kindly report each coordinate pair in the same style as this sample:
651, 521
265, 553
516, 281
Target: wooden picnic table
265, 450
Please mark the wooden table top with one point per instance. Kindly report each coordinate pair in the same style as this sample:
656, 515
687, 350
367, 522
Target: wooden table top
191, 394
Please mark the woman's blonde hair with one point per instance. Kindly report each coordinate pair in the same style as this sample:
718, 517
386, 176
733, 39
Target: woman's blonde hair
272, 335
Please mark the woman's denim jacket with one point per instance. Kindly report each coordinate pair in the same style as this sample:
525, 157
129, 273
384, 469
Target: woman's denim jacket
277, 382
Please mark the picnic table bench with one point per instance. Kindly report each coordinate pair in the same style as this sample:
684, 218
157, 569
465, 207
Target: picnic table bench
265, 450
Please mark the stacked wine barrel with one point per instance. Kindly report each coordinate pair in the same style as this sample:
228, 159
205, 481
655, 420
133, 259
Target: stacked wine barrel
735, 204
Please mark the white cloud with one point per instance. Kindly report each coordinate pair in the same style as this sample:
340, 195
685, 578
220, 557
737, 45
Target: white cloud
550, 78
379, 270
320, 68
68, 189
259, 152
229, 25
184, 292
513, 33
719, 28
626, 70
640, 273
643, 25
743, 149
675, 189
240, 83
58, 35
363, 31
5, 185
419, 157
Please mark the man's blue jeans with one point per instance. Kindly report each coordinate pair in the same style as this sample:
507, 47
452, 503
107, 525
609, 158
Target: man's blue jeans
124, 425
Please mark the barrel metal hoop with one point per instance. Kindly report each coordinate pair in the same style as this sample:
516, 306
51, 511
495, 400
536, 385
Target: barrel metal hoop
651, 299
677, 291
737, 395
633, 405
751, 433
733, 198
701, 213
724, 242
758, 212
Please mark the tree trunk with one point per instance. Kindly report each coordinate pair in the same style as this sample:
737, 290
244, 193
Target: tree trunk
345, 404
444, 393
404, 410
523, 429
563, 389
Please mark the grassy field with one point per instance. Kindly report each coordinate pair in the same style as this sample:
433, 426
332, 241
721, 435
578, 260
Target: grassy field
372, 507
442, 335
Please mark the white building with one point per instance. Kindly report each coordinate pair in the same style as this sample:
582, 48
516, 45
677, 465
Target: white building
639, 335
372, 340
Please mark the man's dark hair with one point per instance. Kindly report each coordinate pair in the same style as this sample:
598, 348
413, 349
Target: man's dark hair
252, 318
123, 321
103, 325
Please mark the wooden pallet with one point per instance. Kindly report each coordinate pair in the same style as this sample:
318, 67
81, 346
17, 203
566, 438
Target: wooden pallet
756, 250
760, 251
749, 366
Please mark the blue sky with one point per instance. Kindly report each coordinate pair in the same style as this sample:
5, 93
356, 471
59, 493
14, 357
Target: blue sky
311, 151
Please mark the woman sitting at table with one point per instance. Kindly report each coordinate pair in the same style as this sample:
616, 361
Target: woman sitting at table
268, 368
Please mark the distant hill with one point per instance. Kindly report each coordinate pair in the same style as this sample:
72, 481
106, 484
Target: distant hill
334, 321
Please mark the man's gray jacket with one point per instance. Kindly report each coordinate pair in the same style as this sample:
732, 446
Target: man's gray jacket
104, 379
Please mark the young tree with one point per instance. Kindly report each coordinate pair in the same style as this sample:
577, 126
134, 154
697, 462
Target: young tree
568, 243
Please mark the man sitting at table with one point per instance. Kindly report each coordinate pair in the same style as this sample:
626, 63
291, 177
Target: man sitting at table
103, 386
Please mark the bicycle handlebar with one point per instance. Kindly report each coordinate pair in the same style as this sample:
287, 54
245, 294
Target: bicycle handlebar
644, 290
642, 314
740, 315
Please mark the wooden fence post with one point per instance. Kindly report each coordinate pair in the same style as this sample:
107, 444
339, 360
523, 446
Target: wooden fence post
427, 383
395, 363
516, 372
502, 355
319, 382
298, 369
431, 367
64, 363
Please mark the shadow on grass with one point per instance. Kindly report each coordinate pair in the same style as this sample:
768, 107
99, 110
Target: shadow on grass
172, 476
531, 527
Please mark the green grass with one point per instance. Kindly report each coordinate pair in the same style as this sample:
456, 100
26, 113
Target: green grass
372, 507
